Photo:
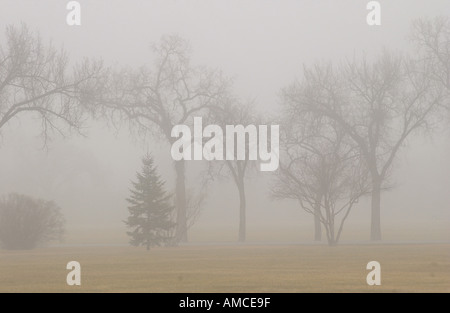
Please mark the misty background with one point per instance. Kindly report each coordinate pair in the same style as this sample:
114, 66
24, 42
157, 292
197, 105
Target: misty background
263, 46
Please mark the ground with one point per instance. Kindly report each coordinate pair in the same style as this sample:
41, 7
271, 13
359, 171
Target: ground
246, 268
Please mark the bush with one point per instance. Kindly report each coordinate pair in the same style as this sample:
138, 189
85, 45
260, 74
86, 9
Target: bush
26, 222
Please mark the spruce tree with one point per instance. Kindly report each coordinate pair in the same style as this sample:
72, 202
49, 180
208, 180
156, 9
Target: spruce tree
150, 208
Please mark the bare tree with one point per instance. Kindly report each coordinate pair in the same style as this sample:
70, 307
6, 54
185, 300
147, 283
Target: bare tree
26, 222
432, 38
322, 170
378, 105
232, 112
34, 78
296, 129
155, 101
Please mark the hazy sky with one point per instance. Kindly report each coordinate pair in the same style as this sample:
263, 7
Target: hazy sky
262, 45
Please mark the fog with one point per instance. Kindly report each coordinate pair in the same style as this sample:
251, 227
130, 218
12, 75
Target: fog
262, 45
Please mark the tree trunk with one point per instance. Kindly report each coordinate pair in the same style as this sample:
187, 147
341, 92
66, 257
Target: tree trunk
317, 229
317, 224
180, 198
375, 226
331, 238
242, 206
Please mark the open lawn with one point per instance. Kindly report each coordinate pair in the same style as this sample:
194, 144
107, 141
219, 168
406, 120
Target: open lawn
246, 268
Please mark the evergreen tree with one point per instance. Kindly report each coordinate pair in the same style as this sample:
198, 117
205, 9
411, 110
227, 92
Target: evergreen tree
150, 209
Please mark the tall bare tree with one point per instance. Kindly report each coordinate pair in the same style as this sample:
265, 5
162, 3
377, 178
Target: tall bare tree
35, 79
379, 105
294, 134
232, 112
322, 170
156, 100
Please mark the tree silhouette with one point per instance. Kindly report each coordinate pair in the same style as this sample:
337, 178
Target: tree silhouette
322, 170
378, 105
154, 101
232, 112
34, 79
150, 209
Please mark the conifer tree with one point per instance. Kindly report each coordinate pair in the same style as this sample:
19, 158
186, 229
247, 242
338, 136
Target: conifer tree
150, 208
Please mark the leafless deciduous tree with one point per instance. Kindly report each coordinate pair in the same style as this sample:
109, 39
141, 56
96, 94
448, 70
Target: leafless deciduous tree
321, 169
232, 112
432, 38
154, 101
35, 78
26, 222
378, 104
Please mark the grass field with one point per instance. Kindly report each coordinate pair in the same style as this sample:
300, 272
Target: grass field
288, 268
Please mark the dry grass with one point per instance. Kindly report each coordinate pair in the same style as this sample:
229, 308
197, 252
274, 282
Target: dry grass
404, 268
